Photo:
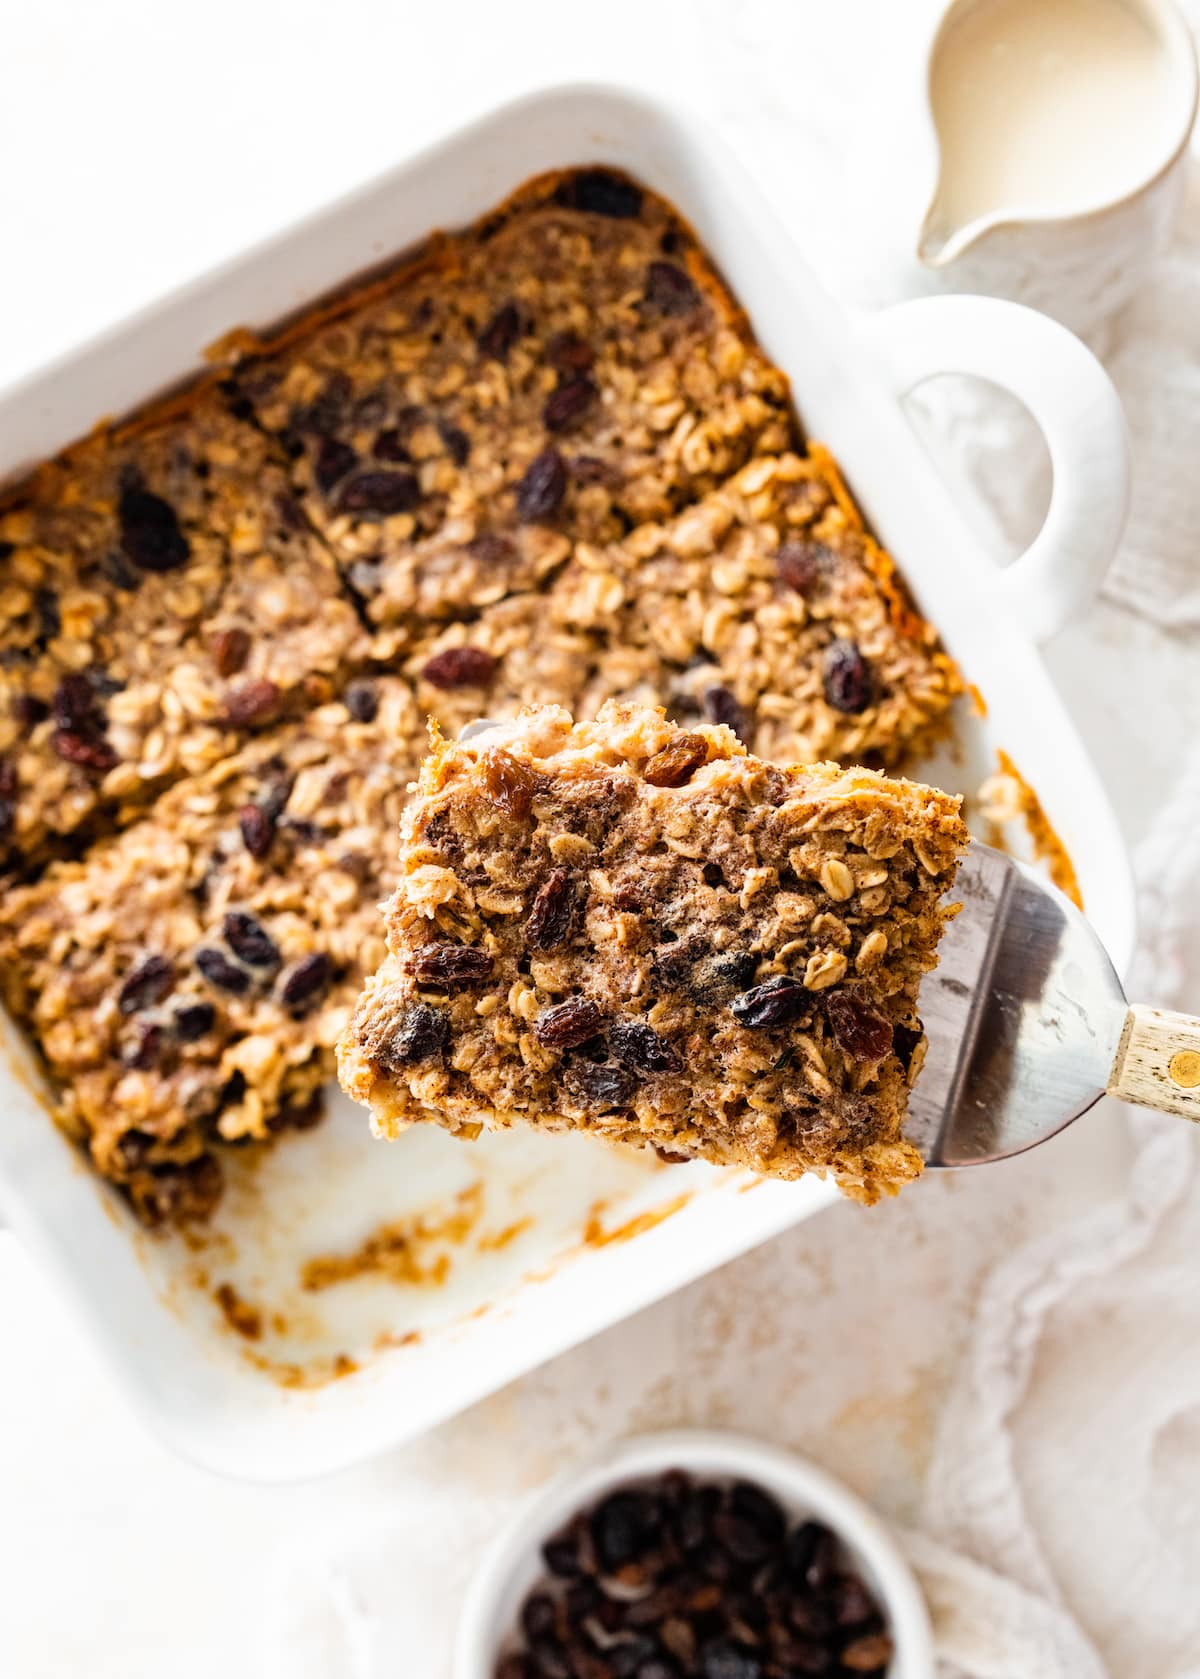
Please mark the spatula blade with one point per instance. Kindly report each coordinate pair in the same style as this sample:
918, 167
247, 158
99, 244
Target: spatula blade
1023, 1015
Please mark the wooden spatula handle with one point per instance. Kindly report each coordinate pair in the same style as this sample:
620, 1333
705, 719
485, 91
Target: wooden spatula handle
1158, 1062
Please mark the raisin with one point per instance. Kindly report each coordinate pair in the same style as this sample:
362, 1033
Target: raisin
541, 490
370, 409
150, 533
90, 752
763, 1512
29, 711
194, 1020
570, 353
737, 969
218, 970
601, 1085
451, 965
550, 916
291, 514
251, 702
846, 678
803, 565
510, 785
569, 402
851, 1602
774, 1003
460, 667
601, 192
422, 1033
677, 762
362, 701
539, 1616
230, 650
306, 980
334, 460
812, 1555
490, 549
146, 1049
566, 1025
382, 493
639, 1047
675, 963
8, 794
810, 1616
501, 332
146, 984
248, 939
75, 707
669, 290
257, 829
625, 1525
560, 1553
326, 412
720, 706
455, 442
390, 446
49, 614
730, 1661
905, 1040
859, 1030
134, 1149
550, 1660
514, 1666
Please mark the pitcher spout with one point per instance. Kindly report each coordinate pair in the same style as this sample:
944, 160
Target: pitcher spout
940, 243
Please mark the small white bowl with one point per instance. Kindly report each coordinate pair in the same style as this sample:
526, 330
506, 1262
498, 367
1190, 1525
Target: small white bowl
513, 1561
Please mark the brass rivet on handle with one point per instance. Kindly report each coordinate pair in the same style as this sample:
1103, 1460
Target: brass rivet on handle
1184, 1068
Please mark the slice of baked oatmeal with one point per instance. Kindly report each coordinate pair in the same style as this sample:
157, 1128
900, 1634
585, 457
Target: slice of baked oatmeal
638, 930
569, 368
186, 980
766, 606
160, 595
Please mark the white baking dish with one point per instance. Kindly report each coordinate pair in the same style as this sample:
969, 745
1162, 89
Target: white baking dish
425, 1349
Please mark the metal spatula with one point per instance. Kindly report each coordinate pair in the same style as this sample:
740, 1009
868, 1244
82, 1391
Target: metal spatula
1028, 1025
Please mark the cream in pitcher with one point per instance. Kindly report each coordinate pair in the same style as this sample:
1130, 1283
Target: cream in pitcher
1043, 108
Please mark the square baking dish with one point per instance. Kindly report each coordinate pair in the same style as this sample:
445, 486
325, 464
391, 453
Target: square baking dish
484, 1260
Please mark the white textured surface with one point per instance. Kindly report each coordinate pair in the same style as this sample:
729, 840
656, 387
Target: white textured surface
144, 143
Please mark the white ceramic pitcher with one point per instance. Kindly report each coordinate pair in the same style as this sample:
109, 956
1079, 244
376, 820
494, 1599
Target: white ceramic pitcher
1084, 258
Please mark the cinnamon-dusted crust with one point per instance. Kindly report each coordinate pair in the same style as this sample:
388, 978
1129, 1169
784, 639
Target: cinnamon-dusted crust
641, 931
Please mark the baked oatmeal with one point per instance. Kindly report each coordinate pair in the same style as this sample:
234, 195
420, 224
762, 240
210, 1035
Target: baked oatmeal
544, 462
639, 930
567, 370
187, 979
765, 606
160, 595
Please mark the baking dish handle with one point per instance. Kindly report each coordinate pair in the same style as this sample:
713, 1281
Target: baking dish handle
1072, 400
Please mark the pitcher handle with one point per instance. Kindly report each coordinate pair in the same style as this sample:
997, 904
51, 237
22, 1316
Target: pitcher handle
1073, 401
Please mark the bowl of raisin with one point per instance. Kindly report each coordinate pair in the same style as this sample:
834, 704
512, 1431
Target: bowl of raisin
694, 1555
